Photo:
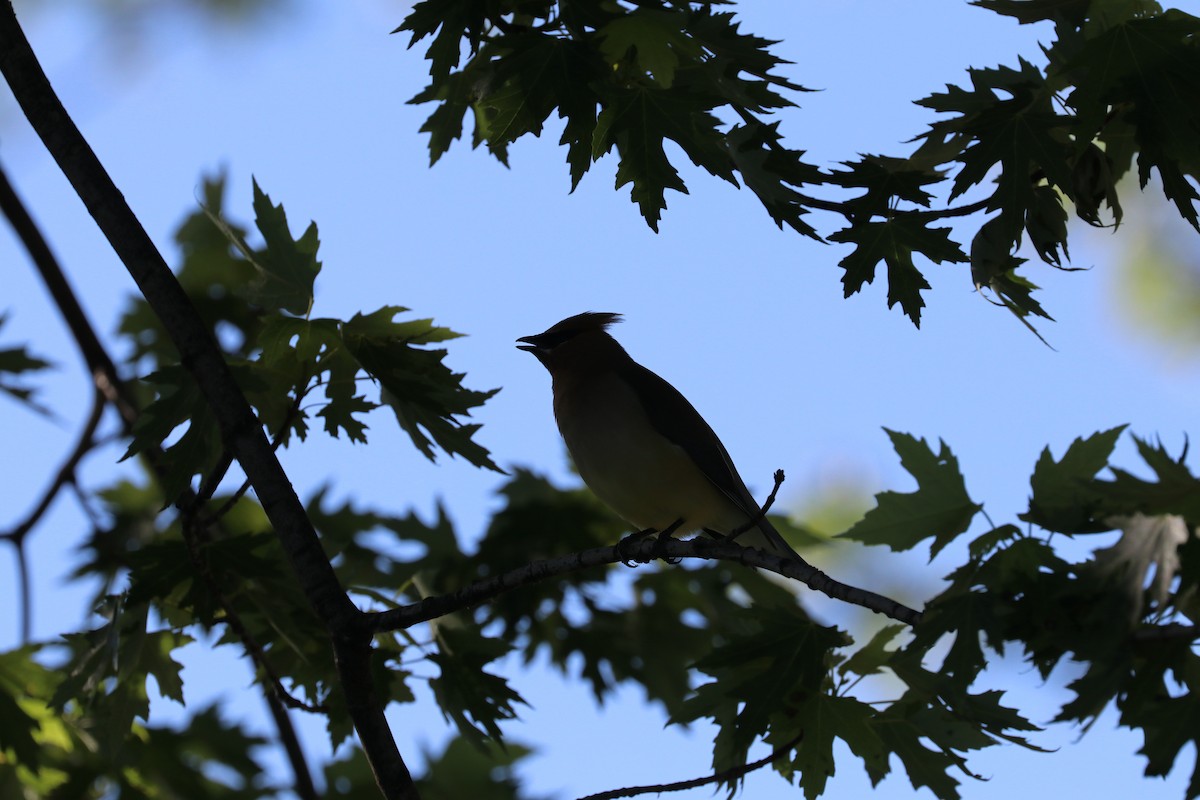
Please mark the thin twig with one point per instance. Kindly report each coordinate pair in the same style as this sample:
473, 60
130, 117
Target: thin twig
841, 208
536, 571
303, 786
725, 776
64, 477
99, 364
958, 211
235, 623
25, 589
65, 474
762, 512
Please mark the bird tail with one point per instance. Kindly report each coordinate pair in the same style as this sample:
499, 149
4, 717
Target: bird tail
765, 537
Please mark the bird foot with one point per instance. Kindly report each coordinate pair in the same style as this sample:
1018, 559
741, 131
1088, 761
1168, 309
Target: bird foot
664, 536
623, 548
660, 547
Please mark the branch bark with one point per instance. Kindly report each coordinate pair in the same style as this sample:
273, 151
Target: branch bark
728, 776
644, 550
199, 353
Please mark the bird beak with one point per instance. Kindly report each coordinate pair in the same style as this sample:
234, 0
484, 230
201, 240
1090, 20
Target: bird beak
529, 347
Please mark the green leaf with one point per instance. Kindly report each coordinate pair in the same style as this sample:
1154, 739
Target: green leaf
773, 173
287, 267
16, 361
17, 728
1146, 70
772, 667
475, 700
740, 67
654, 39
284, 269
463, 771
894, 242
1062, 12
452, 19
940, 508
871, 657
1065, 498
828, 718
425, 395
197, 450
636, 121
884, 181
1176, 490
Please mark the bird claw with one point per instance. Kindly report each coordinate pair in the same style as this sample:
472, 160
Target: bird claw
660, 547
658, 551
627, 558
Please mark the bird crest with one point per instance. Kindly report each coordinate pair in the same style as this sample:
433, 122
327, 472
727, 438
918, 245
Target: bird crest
571, 327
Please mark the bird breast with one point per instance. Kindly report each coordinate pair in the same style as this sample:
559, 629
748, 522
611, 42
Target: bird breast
644, 477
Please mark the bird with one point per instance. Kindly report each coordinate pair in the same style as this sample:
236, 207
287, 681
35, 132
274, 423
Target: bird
638, 443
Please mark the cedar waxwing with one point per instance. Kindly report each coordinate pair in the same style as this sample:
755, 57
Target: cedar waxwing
638, 443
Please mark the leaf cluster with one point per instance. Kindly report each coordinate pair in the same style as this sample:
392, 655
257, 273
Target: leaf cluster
623, 79
1119, 88
1125, 613
257, 302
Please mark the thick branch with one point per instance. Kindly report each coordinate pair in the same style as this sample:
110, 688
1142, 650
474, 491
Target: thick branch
1172, 631
644, 550
199, 353
198, 350
110, 387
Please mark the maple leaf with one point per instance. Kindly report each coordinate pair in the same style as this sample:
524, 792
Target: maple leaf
893, 242
453, 20
285, 268
734, 54
884, 180
1146, 541
940, 508
18, 361
637, 121
425, 395
1147, 71
1064, 498
773, 172
655, 39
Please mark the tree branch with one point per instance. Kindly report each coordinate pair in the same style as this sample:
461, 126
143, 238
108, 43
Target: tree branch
199, 353
1173, 631
645, 549
65, 476
725, 776
304, 787
110, 387
103, 371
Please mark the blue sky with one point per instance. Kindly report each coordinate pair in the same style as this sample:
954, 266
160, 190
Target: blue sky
746, 320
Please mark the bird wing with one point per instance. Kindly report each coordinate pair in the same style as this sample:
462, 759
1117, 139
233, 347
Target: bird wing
679, 422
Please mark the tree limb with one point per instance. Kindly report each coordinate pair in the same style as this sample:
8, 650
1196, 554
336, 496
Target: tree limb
64, 477
645, 549
104, 372
109, 387
200, 355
